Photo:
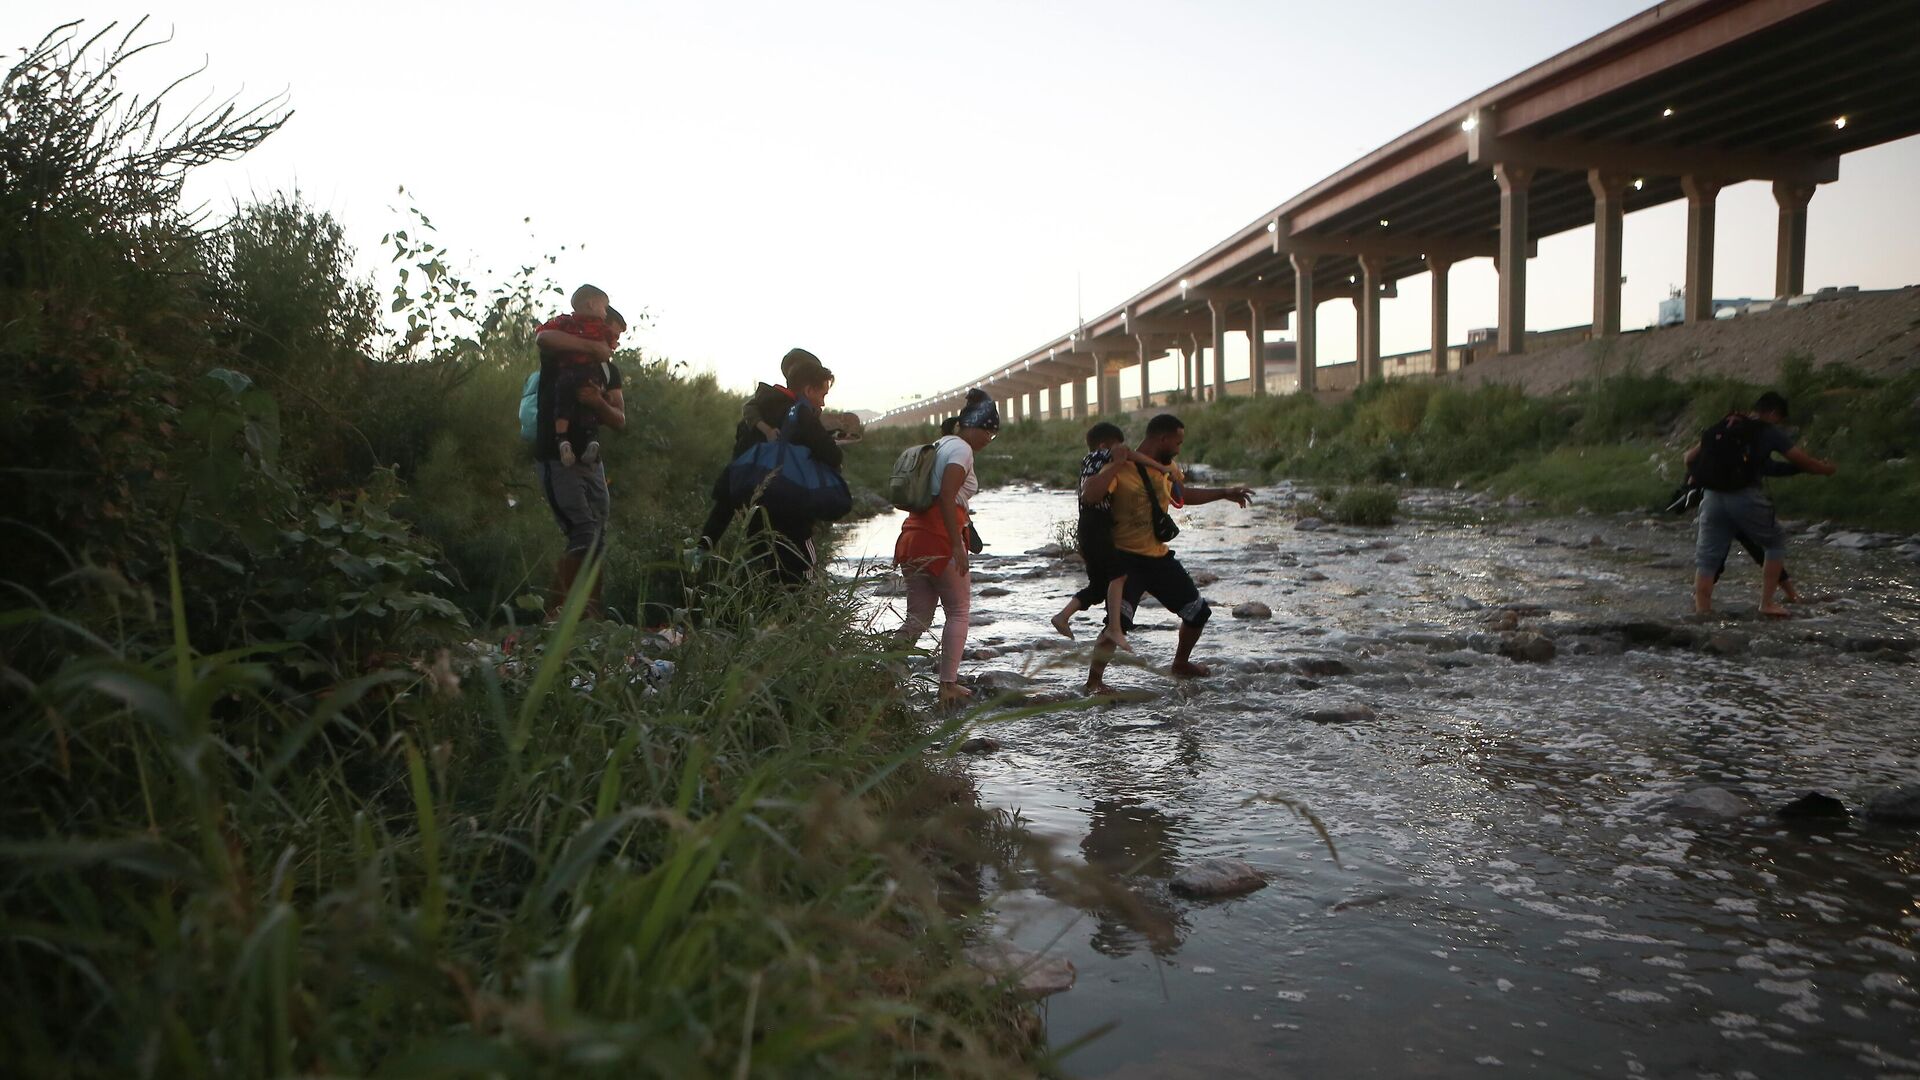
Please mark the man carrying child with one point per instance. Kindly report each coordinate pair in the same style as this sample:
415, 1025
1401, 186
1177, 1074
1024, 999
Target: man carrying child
1140, 500
1107, 455
579, 391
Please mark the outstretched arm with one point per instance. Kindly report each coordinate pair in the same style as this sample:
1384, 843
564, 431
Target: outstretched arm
1810, 463
1198, 496
561, 341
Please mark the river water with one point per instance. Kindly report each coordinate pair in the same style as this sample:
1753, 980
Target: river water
1505, 892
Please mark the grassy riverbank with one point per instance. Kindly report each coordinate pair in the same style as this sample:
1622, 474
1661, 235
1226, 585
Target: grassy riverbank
286, 791
1610, 444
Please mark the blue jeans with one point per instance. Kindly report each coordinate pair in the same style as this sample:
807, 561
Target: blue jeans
1724, 514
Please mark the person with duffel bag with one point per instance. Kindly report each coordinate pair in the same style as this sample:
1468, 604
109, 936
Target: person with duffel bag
792, 483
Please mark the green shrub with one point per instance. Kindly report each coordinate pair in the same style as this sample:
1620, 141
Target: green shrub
1371, 505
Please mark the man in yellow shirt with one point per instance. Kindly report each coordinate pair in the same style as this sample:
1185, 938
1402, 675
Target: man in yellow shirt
1150, 565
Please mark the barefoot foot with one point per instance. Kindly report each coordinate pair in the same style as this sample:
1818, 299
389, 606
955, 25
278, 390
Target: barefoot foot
1775, 611
1187, 669
1063, 622
1100, 689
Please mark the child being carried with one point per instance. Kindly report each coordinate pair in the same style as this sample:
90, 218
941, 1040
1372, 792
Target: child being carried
574, 423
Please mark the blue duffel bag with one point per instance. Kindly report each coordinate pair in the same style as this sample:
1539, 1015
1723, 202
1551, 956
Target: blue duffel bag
784, 478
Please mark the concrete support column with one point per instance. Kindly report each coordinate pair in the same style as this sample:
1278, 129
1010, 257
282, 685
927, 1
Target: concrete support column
1257, 350
1219, 310
1304, 357
1609, 213
1514, 181
1080, 397
1053, 402
1369, 304
1702, 194
1013, 408
1146, 373
1438, 267
1109, 389
1033, 405
1790, 258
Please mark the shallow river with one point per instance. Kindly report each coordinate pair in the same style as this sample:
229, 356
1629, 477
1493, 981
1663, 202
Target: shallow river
1508, 894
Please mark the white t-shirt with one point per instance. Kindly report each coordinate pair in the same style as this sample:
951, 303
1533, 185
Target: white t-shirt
954, 450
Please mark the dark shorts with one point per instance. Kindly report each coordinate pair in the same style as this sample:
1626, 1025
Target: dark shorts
577, 495
1101, 557
1164, 579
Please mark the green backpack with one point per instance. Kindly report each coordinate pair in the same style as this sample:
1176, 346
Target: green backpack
910, 488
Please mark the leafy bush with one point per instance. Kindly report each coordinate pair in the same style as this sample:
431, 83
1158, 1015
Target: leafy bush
1372, 505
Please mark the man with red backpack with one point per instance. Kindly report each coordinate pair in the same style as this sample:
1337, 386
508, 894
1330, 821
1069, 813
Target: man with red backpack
1728, 463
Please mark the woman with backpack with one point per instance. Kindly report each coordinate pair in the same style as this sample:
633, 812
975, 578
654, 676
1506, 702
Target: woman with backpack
933, 548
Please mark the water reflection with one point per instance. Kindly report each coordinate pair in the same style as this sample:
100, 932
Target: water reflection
1133, 843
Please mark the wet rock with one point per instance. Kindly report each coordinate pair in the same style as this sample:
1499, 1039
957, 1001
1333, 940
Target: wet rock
992, 591
978, 744
891, 585
1708, 803
1597, 541
1515, 502
1528, 648
1503, 621
1878, 644
1483, 643
1354, 713
1394, 557
1205, 578
1309, 524
1305, 683
1313, 575
999, 682
1465, 603
1726, 643
1813, 806
1211, 879
1028, 972
983, 653
1435, 642
1051, 551
1896, 805
1322, 666
1857, 541
1592, 646
1252, 609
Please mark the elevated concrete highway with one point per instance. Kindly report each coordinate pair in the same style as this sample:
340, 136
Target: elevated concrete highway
1674, 103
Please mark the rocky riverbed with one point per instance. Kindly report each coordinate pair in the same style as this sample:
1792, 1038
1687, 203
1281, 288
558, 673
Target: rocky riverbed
1551, 798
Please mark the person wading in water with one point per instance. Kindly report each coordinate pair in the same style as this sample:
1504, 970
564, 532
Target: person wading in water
934, 543
1141, 529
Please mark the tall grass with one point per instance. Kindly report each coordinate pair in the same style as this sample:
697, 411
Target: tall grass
289, 789
519, 865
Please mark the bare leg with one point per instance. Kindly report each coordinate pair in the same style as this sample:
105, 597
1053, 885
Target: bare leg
1183, 665
1769, 584
1703, 593
1787, 591
1063, 622
1116, 632
1097, 671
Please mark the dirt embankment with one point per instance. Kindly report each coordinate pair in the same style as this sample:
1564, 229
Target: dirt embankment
1875, 332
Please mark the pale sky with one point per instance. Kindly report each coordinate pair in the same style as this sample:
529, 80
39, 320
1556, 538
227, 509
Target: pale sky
916, 192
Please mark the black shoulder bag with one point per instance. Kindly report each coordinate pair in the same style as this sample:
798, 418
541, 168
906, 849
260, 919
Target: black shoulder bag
1164, 528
